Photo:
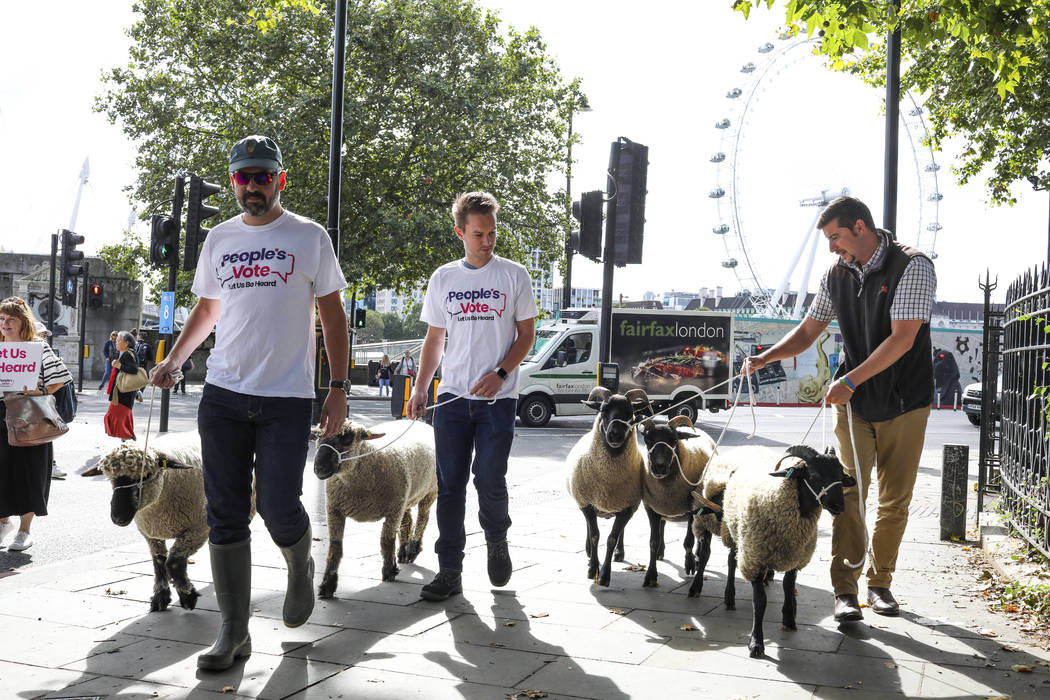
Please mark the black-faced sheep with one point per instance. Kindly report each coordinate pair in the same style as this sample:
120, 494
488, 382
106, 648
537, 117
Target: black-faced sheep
605, 473
168, 505
769, 522
367, 481
677, 453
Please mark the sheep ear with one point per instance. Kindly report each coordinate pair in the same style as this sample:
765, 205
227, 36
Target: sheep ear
372, 436
686, 434
848, 480
167, 463
593, 405
802, 452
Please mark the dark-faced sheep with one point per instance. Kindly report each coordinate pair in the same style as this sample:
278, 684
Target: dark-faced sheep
769, 522
162, 490
605, 470
377, 474
677, 454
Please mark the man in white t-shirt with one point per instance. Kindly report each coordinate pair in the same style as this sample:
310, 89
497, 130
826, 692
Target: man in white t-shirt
484, 305
257, 280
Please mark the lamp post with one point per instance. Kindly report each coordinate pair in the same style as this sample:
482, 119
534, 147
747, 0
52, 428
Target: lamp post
566, 291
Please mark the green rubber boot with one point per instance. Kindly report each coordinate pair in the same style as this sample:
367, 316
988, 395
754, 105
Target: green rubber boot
231, 569
299, 600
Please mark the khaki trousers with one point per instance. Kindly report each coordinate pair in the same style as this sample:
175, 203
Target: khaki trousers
895, 446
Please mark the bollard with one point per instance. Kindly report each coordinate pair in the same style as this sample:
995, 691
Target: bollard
954, 469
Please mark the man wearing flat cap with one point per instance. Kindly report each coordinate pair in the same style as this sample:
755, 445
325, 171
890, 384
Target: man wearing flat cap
257, 280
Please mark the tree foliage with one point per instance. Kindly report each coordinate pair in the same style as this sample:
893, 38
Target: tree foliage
440, 99
983, 68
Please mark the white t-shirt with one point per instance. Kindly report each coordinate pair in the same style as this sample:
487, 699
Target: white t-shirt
266, 278
479, 309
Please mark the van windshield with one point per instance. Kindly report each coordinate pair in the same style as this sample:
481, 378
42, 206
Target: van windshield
543, 337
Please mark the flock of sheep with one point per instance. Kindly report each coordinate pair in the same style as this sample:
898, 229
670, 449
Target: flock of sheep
766, 516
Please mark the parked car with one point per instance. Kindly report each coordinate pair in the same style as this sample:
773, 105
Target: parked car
971, 402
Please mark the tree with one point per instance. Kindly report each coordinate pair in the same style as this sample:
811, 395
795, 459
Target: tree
983, 68
440, 99
374, 330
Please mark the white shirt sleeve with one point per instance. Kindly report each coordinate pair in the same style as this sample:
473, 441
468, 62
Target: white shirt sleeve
525, 304
205, 280
432, 313
329, 275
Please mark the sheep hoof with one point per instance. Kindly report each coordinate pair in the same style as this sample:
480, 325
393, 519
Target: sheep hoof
619, 556
188, 600
603, 578
690, 564
389, 572
757, 649
650, 582
592, 572
160, 600
730, 605
694, 592
789, 625
327, 588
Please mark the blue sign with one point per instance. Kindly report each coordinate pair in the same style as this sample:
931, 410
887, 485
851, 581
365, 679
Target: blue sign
167, 312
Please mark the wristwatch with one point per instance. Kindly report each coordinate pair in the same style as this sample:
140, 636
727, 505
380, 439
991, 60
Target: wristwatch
501, 372
338, 384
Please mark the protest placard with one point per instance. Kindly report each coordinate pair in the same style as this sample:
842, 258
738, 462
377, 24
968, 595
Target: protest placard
19, 366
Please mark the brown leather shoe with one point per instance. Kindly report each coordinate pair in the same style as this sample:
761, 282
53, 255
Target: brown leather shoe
882, 601
847, 608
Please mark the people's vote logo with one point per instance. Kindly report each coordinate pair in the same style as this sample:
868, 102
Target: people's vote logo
476, 301
261, 267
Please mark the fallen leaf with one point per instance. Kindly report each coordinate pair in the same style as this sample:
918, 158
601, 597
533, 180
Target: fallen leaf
988, 632
1011, 608
495, 644
634, 567
966, 549
539, 614
1007, 647
1021, 668
530, 694
229, 689
864, 605
509, 624
891, 665
687, 628
617, 611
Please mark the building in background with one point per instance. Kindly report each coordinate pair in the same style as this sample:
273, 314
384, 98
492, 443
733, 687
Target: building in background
542, 283
388, 301
581, 297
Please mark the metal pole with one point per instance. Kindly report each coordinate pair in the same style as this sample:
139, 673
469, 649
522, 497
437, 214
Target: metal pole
173, 276
566, 292
83, 324
893, 91
51, 292
609, 255
336, 143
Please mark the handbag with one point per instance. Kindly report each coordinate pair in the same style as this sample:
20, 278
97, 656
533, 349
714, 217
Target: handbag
32, 420
66, 402
132, 382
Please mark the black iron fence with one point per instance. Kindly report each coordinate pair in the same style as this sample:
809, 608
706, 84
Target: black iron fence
1023, 468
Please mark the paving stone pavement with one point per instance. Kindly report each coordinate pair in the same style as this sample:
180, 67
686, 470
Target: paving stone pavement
82, 627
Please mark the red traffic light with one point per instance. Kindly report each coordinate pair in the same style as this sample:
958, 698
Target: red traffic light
95, 298
96, 289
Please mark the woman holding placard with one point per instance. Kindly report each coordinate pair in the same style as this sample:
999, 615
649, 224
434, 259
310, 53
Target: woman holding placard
25, 472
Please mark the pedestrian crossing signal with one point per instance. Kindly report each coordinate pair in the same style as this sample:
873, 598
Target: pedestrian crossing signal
95, 297
359, 318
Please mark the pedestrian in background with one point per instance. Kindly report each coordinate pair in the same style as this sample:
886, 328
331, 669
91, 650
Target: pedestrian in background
109, 351
186, 368
480, 379
383, 375
119, 420
407, 366
882, 293
257, 401
25, 472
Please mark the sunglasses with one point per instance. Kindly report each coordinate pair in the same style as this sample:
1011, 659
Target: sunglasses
261, 179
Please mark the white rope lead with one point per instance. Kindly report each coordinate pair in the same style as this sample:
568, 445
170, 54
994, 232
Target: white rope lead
860, 497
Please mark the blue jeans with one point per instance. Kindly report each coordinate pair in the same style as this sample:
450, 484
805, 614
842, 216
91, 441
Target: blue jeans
463, 427
384, 383
241, 433
105, 376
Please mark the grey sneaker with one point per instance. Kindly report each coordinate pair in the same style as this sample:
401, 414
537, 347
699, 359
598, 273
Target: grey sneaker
57, 473
500, 566
445, 585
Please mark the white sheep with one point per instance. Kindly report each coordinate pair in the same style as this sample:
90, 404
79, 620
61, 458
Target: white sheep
770, 523
677, 454
368, 481
605, 470
169, 504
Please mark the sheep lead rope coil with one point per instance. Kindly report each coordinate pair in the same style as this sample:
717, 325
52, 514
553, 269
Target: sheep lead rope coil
860, 498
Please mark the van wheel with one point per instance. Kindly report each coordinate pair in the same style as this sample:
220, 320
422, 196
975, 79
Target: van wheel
974, 418
535, 411
688, 410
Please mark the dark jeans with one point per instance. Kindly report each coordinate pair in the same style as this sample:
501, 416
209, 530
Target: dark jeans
460, 428
239, 433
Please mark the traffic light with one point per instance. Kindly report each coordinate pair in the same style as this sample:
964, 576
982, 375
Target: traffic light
588, 211
359, 318
95, 296
70, 266
196, 212
164, 240
629, 165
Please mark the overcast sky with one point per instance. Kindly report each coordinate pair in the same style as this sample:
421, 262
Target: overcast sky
657, 76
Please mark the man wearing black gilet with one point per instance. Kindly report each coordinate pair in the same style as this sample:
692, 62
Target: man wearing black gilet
881, 293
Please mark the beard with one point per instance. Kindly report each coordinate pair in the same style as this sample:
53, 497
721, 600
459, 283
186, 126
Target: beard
255, 203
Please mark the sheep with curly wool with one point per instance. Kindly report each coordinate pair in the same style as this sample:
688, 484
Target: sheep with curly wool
161, 488
770, 523
678, 454
605, 470
377, 474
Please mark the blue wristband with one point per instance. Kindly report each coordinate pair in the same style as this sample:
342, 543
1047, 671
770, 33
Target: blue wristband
848, 383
